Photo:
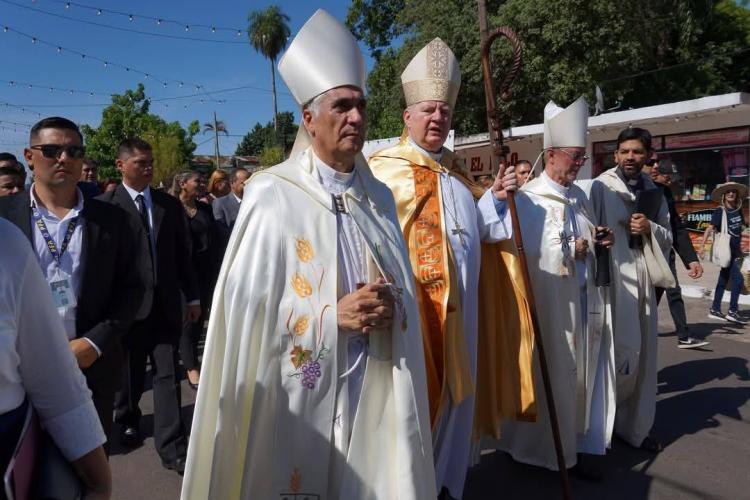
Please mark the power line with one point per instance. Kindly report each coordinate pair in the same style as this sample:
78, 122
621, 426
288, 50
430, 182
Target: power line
158, 20
92, 93
106, 63
27, 125
120, 28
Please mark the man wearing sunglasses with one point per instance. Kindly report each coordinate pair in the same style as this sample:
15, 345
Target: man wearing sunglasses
638, 264
86, 249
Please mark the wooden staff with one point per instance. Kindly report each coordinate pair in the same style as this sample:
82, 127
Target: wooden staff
499, 152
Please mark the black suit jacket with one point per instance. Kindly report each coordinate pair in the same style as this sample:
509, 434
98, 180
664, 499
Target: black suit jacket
110, 293
681, 241
174, 271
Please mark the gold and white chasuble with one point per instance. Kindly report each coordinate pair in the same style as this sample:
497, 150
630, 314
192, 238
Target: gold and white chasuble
273, 392
575, 322
475, 325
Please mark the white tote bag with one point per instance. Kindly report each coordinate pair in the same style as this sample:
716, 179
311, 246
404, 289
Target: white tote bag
721, 253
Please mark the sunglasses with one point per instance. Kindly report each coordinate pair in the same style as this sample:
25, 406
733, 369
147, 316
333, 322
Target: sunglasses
55, 151
650, 163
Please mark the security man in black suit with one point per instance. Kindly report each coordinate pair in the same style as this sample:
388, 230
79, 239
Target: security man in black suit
156, 333
86, 249
664, 173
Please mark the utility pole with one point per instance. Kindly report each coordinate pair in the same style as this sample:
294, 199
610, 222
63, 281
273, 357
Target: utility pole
216, 141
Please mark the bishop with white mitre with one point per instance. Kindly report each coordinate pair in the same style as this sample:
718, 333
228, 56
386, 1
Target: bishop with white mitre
558, 229
313, 382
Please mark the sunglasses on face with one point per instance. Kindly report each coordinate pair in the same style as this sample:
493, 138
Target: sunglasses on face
55, 151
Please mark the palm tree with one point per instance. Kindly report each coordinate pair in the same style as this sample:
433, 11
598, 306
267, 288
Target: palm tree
269, 33
216, 127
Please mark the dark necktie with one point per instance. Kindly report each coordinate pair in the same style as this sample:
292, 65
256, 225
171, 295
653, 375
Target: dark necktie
140, 201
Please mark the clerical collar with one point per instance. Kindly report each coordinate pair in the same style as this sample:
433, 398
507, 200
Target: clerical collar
634, 185
435, 156
561, 190
335, 182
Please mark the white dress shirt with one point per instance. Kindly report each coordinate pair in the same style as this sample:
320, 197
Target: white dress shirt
70, 261
35, 359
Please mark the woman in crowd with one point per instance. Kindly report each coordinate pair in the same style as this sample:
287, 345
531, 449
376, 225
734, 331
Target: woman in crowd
188, 187
218, 186
108, 184
37, 368
730, 196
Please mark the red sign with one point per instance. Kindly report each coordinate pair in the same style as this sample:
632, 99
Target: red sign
710, 138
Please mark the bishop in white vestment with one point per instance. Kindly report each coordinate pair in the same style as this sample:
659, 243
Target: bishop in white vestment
444, 228
639, 264
558, 228
313, 383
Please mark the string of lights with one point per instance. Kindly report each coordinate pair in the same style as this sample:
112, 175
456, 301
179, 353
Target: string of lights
107, 64
159, 21
50, 88
128, 30
20, 108
19, 124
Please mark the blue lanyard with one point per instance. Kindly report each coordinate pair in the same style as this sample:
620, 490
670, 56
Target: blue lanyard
48, 238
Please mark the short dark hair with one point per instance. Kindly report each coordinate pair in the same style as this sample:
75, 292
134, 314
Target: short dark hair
635, 134
54, 122
8, 157
128, 147
233, 173
91, 162
523, 162
12, 171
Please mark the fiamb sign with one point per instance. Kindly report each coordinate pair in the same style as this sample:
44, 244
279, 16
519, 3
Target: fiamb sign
699, 220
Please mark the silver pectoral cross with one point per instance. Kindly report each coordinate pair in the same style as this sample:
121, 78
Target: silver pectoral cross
460, 232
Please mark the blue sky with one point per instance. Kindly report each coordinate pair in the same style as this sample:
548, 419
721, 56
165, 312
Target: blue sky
212, 66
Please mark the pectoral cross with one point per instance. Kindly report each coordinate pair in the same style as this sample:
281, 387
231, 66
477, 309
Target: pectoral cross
460, 232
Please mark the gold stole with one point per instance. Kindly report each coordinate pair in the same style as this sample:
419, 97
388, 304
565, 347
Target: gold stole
504, 386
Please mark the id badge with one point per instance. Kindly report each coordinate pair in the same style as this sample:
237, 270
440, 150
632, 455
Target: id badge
62, 291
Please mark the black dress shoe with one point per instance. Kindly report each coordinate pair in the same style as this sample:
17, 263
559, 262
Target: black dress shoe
586, 473
130, 436
177, 465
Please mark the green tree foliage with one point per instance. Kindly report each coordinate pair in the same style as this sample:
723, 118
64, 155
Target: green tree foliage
269, 32
271, 155
263, 136
651, 53
128, 116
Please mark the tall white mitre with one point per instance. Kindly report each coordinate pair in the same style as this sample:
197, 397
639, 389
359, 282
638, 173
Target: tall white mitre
324, 55
566, 128
432, 75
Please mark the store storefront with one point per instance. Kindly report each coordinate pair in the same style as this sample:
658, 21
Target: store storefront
707, 138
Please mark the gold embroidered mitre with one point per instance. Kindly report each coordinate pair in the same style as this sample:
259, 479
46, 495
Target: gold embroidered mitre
432, 75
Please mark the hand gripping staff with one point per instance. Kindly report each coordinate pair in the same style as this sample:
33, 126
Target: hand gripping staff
499, 152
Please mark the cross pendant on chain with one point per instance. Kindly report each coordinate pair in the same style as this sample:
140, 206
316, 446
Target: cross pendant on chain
460, 232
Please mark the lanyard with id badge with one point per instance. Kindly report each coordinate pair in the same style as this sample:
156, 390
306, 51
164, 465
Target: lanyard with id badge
60, 282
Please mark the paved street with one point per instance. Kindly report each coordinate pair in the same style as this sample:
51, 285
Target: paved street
702, 416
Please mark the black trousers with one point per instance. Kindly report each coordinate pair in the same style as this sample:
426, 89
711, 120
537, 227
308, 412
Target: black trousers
104, 403
191, 334
142, 343
676, 304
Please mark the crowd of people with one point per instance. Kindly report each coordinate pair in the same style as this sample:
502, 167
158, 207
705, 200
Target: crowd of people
369, 330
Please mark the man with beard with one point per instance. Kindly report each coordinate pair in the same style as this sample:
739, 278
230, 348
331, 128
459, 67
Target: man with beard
638, 264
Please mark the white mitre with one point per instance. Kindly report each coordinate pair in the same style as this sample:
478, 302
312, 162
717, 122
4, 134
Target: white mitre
566, 128
432, 75
324, 55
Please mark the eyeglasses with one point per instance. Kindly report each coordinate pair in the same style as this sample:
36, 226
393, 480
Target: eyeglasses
576, 157
55, 151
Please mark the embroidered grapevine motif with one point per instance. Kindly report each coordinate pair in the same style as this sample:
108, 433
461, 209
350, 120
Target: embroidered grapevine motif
295, 488
304, 357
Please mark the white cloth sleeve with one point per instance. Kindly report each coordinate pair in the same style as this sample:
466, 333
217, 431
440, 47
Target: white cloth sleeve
50, 375
492, 226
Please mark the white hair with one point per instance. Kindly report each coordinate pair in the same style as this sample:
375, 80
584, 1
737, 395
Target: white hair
313, 105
